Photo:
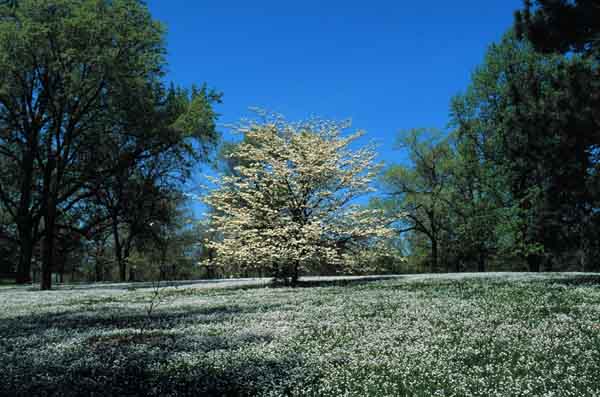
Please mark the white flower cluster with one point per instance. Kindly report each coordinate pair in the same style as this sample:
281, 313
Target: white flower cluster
413, 336
289, 201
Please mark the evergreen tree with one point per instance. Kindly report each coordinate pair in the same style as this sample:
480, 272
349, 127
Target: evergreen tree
530, 116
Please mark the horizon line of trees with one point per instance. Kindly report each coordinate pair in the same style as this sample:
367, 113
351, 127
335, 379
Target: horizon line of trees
515, 184
92, 142
96, 152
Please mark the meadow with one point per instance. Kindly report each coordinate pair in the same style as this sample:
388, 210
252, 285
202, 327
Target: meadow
432, 335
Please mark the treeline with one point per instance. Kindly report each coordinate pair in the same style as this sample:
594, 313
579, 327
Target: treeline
96, 151
515, 185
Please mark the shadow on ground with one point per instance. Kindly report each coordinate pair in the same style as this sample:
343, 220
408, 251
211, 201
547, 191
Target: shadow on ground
126, 286
103, 353
109, 319
342, 282
584, 280
98, 347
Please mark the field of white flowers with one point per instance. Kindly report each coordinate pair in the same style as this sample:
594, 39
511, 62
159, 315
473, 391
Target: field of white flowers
496, 335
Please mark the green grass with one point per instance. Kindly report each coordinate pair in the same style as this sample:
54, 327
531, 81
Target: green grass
502, 335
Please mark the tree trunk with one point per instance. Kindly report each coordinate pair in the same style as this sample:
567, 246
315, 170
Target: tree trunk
25, 221
481, 262
98, 270
434, 256
533, 262
25, 257
548, 264
46, 280
48, 214
132, 273
48, 251
119, 251
295, 273
49, 255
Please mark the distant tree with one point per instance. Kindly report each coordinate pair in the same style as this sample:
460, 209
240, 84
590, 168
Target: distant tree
166, 248
477, 204
417, 193
130, 196
8, 243
289, 206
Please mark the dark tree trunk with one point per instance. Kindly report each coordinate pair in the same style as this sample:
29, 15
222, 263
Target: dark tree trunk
48, 251
533, 262
99, 272
25, 257
163, 262
25, 224
481, 262
126, 250
49, 248
295, 273
434, 256
582, 261
548, 265
46, 279
49, 216
119, 251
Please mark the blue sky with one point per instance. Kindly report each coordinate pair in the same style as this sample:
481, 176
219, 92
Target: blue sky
387, 65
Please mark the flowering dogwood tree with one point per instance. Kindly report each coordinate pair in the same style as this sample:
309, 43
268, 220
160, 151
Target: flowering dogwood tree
289, 202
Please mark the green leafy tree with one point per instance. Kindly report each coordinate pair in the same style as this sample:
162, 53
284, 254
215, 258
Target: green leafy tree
166, 248
477, 208
572, 27
8, 243
78, 78
561, 25
62, 65
529, 116
185, 135
418, 191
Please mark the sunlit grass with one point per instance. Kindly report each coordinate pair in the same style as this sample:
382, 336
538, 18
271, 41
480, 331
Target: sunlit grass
425, 335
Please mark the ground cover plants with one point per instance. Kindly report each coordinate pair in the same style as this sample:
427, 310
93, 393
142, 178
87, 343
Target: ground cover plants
492, 335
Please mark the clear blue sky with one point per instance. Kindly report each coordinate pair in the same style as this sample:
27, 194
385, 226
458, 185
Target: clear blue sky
388, 65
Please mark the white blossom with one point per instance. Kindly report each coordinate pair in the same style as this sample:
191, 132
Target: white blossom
289, 202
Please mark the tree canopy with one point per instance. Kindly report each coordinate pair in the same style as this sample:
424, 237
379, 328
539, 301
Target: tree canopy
82, 103
291, 203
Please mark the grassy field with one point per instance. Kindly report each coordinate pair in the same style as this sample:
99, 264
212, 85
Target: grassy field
498, 335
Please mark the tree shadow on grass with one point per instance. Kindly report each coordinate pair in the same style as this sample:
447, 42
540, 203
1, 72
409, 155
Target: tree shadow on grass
95, 353
141, 367
138, 285
107, 318
342, 282
575, 281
